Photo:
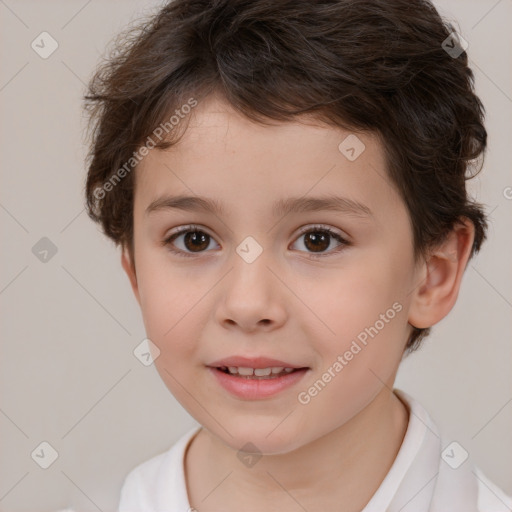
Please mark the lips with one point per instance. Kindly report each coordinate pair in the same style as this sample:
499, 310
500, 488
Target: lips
253, 362
257, 388
254, 373
256, 378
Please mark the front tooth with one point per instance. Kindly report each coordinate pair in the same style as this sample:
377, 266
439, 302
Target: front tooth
262, 372
245, 371
277, 369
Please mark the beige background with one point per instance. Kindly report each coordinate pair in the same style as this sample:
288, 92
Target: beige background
70, 325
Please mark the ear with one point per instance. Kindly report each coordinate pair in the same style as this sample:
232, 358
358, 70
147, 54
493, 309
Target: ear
440, 276
129, 267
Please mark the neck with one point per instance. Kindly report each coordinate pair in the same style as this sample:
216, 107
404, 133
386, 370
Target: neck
345, 466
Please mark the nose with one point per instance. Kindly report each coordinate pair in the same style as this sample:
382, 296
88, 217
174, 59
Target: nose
251, 297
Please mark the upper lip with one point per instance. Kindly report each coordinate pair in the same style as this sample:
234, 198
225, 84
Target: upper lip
252, 362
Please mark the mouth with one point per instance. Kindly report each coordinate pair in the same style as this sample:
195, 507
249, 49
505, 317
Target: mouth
256, 378
271, 372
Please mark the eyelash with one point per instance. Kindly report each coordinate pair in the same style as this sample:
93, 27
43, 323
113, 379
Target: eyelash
317, 229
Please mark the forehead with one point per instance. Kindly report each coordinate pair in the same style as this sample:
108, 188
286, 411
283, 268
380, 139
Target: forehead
238, 162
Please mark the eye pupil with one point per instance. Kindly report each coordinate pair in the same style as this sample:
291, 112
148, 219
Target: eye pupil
318, 240
194, 237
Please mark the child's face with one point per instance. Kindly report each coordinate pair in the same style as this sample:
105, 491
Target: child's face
283, 305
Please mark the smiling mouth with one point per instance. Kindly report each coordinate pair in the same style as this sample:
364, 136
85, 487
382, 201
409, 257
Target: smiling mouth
258, 373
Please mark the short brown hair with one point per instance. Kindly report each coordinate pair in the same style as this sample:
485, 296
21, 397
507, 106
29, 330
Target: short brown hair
365, 65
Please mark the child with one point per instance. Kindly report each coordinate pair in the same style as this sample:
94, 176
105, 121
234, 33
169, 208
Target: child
315, 153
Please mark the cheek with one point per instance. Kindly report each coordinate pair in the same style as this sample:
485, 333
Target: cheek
363, 306
369, 324
168, 304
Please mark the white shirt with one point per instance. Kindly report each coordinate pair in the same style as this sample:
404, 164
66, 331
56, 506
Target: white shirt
429, 474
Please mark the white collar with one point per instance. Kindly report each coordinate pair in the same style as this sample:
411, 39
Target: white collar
418, 481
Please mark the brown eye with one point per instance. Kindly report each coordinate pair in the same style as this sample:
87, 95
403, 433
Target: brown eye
318, 240
196, 240
188, 241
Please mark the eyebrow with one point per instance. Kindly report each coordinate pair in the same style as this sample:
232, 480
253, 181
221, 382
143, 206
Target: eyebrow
280, 208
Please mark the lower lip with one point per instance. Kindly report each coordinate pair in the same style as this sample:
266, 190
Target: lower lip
255, 389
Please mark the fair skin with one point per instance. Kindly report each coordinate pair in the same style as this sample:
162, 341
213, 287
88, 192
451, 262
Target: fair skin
339, 446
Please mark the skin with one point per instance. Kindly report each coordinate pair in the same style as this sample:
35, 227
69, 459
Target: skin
338, 447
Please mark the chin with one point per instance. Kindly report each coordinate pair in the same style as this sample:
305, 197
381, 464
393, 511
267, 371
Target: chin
262, 433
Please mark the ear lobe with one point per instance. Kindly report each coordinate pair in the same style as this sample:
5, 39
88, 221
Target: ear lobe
129, 268
441, 274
